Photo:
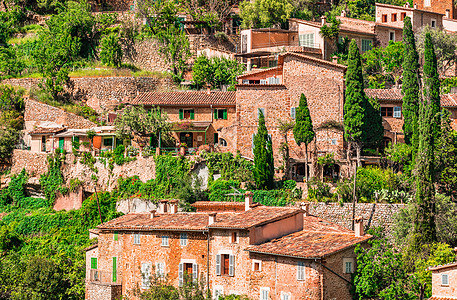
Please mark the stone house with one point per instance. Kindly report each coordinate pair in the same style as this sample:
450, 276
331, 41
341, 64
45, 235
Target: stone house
234, 248
444, 7
391, 112
198, 117
444, 282
276, 91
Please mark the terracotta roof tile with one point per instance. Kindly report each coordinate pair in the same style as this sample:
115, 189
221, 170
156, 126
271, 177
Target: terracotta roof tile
449, 100
259, 71
215, 206
178, 221
254, 217
317, 60
185, 98
318, 239
50, 130
441, 298
450, 265
385, 94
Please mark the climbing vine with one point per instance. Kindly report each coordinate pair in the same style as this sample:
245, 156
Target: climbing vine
52, 181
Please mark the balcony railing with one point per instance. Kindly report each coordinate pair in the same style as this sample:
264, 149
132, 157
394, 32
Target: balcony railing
105, 277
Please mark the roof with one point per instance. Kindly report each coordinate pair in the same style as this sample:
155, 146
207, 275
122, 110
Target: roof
385, 94
191, 126
272, 30
343, 27
406, 8
450, 265
91, 247
317, 60
215, 206
189, 98
441, 298
259, 71
255, 217
73, 132
317, 240
449, 100
178, 221
47, 130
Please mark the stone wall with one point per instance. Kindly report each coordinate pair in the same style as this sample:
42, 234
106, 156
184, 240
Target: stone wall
342, 215
102, 291
34, 163
145, 55
72, 200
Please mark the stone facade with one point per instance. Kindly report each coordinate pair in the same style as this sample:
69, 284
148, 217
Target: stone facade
380, 214
444, 282
34, 163
444, 7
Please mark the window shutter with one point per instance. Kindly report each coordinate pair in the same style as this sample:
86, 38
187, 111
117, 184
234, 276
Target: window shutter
114, 269
116, 236
181, 114
292, 112
224, 112
215, 114
192, 114
252, 144
218, 264
195, 272
232, 265
93, 263
181, 274
300, 270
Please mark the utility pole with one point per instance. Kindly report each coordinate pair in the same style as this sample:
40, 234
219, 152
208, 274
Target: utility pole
98, 203
354, 196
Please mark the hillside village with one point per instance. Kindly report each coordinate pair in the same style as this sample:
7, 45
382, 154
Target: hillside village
262, 149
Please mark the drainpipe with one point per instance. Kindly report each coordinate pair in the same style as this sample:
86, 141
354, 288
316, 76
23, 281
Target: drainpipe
207, 262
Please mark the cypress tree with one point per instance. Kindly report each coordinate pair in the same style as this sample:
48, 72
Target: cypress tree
303, 128
410, 86
263, 156
356, 101
424, 219
373, 130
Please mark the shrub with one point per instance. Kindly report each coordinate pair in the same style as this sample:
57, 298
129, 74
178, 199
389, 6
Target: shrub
111, 50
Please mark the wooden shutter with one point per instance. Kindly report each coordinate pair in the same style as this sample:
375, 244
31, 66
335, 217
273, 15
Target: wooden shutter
232, 265
116, 236
195, 272
218, 264
93, 263
114, 269
61, 143
192, 114
224, 112
181, 274
215, 114
292, 112
181, 114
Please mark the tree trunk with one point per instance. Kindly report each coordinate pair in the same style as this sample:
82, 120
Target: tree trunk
354, 197
358, 150
348, 159
306, 162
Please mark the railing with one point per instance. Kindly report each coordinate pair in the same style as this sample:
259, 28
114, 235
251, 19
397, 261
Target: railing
105, 277
305, 45
177, 150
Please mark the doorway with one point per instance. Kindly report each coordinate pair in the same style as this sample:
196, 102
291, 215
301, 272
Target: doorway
187, 138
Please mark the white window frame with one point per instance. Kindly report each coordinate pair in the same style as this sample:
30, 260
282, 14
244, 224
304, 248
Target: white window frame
183, 239
351, 261
256, 261
390, 33
301, 270
293, 112
264, 293
333, 141
146, 275
136, 239
165, 242
431, 23
445, 279
286, 296
306, 40
364, 43
397, 112
427, 3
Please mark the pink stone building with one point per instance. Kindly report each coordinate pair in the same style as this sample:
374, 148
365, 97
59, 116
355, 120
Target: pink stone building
444, 282
234, 248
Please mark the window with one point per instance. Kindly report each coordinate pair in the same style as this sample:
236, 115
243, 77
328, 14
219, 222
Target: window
293, 111
285, 296
433, 23
263, 81
136, 238
444, 279
223, 142
387, 111
392, 36
333, 142
220, 114
43, 143
348, 265
114, 269
190, 269
225, 264
397, 112
183, 239
256, 265
216, 138
234, 237
264, 293
306, 40
108, 142
75, 143
384, 18
402, 16
165, 241
160, 269
116, 236
366, 45
272, 63
145, 275
61, 143
186, 114
93, 263
273, 80
300, 270
260, 110
426, 2
394, 17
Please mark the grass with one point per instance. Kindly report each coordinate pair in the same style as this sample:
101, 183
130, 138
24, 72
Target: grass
114, 72
21, 40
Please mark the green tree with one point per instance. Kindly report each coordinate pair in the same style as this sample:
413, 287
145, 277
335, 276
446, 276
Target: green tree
202, 71
10, 64
356, 102
263, 156
410, 87
373, 129
303, 129
216, 72
111, 50
424, 219
265, 13
8, 140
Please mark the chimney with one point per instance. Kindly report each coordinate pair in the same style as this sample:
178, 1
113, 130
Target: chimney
343, 13
334, 59
323, 20
247, 200
358, 226
407, 4
173, 206
305, 207
208, 89
153, 214
163, 206
212, 218
447, 13
415, 5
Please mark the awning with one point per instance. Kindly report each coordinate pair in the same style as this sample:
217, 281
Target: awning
191, 126
254, 54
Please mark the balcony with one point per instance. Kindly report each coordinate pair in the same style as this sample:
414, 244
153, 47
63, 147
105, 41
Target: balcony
104, 277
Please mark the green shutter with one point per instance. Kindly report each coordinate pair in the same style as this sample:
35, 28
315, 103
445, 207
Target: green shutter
192, 114
224, 112
93, 263
76, 142
215, 114
61, 143
114, 269
116, 235
181, 114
